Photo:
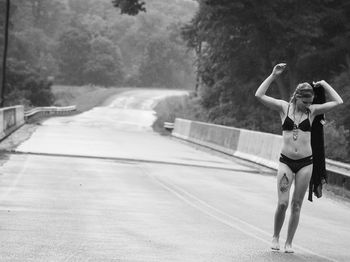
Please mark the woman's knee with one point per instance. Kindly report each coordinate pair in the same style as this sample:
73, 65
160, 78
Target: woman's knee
282, 206
296, 206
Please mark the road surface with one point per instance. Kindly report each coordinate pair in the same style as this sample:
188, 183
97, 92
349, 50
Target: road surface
102, 186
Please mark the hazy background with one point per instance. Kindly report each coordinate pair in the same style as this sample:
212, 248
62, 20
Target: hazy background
62, 50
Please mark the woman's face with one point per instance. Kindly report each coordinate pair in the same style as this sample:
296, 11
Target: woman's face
303, 103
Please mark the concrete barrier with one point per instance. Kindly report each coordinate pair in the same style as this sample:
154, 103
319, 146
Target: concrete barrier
258, 147
221, 138
261, 148
11, 118
182, 128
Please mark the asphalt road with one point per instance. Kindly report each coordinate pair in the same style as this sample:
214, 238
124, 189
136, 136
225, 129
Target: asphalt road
102, 186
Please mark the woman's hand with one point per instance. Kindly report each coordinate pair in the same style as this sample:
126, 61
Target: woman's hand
278, 69
319, 83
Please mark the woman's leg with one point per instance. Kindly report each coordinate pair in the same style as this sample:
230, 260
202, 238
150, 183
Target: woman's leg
302, 179
284, 182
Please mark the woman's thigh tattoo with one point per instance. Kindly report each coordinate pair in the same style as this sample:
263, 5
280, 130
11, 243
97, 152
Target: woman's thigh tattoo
284, 183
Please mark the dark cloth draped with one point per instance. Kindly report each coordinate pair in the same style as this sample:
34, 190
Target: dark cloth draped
319, 173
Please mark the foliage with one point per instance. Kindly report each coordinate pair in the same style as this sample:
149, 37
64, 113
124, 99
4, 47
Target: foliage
159, 24
73, 49
244, 39
187, 107
342, 82
94, 24
104, 66
238, 42
163, 64
79, 6
30, 45
55, 37
341, 115
337, 142
13, 9
24, 86
38, 91
130, 7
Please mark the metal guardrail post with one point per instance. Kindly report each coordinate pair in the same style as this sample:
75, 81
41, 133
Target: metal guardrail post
168, 126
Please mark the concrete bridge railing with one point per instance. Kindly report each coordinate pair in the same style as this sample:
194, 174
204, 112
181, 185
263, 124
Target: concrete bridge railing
13, 117
258, 147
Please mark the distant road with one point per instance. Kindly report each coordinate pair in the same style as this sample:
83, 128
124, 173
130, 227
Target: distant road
102, 186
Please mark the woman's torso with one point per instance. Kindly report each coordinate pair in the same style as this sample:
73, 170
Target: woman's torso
301, 146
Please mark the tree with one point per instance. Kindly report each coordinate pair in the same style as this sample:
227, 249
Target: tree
79, 6
155, 68
25, 86
164, 64
94, 24
4, 58
130, 7
190, 34
73, 53
242, 40
48, 16
23, 82
36, 27
39, 26
104, 66
30, 45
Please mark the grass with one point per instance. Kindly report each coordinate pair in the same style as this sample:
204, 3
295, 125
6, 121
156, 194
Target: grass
187, 107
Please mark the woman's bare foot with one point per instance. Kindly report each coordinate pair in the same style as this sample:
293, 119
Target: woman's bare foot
288, 248
275, 244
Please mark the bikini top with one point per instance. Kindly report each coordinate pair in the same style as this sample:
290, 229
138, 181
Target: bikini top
288, 123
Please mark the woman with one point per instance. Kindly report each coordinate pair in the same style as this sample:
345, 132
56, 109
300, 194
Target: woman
296, 156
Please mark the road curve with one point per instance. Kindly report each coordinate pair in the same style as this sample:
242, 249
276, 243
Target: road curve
102, 186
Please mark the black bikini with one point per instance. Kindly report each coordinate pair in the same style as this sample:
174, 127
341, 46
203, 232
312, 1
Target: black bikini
296, 164
288, 124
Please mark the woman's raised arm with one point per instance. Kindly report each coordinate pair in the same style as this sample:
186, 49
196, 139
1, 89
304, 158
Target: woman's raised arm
271, 102
336, 100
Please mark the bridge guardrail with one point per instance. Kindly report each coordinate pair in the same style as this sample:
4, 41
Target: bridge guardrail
338, 167
169, 126
258, 147
49, 110
11, 118
339, 174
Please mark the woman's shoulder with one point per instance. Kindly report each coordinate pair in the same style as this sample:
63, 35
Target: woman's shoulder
285, 106
284, 109
285, 103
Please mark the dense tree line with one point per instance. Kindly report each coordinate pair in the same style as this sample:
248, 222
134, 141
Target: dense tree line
78, 42
238, 42
130, 7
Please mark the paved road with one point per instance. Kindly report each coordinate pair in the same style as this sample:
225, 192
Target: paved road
102, 186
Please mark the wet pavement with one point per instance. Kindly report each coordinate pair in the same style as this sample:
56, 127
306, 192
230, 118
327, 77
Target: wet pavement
102, 186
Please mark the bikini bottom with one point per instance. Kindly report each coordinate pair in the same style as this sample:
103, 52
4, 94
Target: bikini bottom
296, 164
